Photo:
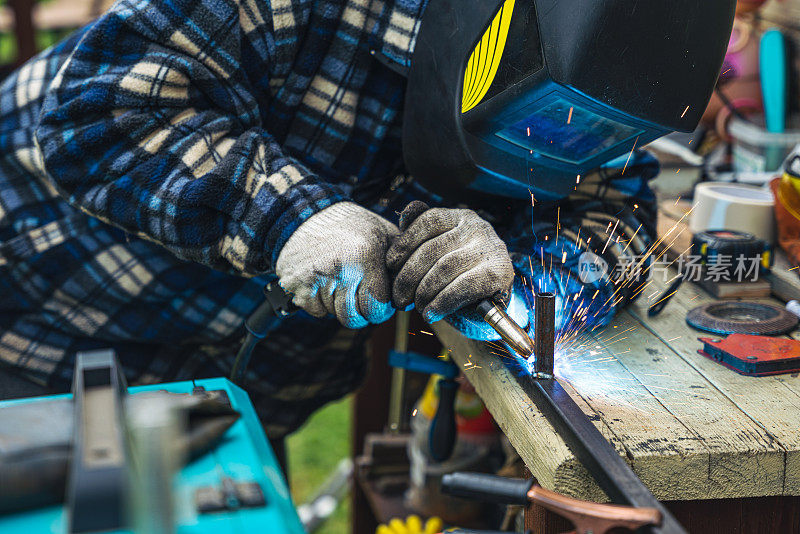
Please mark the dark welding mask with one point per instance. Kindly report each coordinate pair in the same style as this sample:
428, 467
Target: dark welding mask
514, 97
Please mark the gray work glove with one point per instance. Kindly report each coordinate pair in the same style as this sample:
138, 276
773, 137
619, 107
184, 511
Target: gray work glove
446, 259
335, 262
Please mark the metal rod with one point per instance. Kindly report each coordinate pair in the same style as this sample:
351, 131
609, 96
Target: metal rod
588, 445
544, 339
397, 393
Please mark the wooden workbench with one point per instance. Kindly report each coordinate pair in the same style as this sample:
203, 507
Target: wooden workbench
695, 432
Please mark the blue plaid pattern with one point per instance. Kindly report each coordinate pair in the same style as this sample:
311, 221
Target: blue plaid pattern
154, 163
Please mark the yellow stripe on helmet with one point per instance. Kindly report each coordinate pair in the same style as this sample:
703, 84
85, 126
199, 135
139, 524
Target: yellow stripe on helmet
485, 58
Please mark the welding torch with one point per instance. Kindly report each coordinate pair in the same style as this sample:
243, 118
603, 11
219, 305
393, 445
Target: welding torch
543, 348
278, 304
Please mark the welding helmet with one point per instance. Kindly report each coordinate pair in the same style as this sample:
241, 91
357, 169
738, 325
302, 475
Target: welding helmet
514, 97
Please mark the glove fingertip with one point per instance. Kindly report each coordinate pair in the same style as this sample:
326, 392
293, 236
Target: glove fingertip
382, 315
374, 310
414, 209
355, 323
432, 315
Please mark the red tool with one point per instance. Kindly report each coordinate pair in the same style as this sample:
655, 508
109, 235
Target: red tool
754, 355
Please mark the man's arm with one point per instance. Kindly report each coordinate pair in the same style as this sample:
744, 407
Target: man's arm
150, 127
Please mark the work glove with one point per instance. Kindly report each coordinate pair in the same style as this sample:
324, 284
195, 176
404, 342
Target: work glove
335, 262
446, 259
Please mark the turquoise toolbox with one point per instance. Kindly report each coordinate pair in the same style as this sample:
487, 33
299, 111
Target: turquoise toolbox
242, 458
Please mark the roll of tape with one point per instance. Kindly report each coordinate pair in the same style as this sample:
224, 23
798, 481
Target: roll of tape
728, 206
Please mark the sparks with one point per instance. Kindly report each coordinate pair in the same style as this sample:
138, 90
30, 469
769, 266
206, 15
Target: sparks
558, 222
684, 111
569, 118
629, 156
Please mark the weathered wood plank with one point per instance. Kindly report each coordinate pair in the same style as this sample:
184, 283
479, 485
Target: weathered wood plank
744, 459
668, 456
534, 439
772, 402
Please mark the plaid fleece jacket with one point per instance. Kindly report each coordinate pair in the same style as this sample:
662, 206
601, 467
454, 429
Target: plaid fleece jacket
153, 165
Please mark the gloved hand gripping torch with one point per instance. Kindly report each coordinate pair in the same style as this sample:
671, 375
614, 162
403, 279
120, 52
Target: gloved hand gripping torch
278, 304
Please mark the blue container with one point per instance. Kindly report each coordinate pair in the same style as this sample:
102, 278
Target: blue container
243, 454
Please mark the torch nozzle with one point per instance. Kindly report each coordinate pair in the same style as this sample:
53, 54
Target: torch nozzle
507, 328
520, 342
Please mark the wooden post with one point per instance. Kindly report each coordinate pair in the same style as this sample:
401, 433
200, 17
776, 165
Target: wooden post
23, 29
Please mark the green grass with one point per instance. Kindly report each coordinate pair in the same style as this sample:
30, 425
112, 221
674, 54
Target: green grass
44, 39
8, 48
314, 452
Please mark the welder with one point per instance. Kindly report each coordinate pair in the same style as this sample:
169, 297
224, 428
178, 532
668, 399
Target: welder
162, 163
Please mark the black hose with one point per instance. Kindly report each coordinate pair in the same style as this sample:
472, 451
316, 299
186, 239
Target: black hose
258, 326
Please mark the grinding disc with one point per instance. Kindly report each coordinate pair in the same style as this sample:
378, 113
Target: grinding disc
742, 318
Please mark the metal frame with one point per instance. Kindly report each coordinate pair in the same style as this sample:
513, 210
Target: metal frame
588, 445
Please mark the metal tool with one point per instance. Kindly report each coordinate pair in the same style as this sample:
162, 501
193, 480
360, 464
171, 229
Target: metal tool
397, 392
663, 299
754, 355
742, 317
712, 246
443, 432
154, 431
491, 310
100, 455
495, 316
587, 517
545, 308
588, 445
234, 486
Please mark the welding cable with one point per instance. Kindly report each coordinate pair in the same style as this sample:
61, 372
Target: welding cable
614, 254
588, 237
258, 325
630, 248
629, 227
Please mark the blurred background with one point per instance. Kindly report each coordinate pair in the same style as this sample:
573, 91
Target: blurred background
732, 145
28, 26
